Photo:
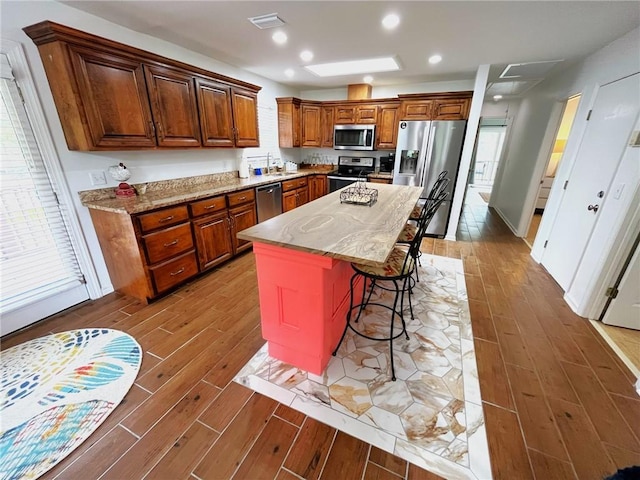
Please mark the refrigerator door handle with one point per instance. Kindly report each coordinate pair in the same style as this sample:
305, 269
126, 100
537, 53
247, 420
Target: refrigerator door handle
422, 159
427, 158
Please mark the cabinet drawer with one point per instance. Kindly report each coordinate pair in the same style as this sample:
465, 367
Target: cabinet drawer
174, 272
209, 205
296, 183
168, 243
163, 218
239, 198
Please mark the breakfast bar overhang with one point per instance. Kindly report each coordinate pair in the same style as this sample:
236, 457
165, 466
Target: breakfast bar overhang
303, 262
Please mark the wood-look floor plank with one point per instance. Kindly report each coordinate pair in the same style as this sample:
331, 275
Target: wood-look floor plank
509, 457
375, 472
549, 468
623, 458
347, 458
187, 451
416, 473
91, 462
224, 408
150, 449
609, 424
511, 342
481, 321
389, 461
494, 383
156, 337
540, 430
237, 439
290, 415
268, 452
629, 408
148, 362
587, 453
310, 449
606, 369
286, 475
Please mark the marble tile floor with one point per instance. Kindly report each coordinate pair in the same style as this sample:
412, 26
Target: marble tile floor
432, 414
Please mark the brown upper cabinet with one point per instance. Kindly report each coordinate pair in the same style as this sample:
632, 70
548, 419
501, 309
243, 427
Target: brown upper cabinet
111, 96
309, 123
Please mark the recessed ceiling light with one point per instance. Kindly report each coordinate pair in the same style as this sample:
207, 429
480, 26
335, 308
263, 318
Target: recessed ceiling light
353, 67
279, 37
433, 59
391, 21
497, 97
367, 79
306, 55
289, 72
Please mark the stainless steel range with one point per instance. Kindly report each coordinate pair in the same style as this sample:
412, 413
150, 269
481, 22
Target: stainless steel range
350, 169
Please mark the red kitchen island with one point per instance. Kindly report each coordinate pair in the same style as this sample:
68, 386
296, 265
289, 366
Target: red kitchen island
303, 262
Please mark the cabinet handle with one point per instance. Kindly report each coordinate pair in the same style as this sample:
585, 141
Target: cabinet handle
160, 126
165, 219
171, 244
178, 272
153, 127
242, 198
210, 206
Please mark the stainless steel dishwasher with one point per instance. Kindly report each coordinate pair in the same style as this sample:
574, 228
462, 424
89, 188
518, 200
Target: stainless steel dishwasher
269, 201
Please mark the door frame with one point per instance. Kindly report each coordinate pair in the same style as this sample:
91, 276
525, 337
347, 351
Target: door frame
14, 51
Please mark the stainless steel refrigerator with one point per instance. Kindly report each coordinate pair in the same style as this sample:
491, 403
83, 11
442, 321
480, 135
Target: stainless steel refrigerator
425, 149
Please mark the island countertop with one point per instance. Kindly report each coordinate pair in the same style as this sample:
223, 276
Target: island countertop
353, 233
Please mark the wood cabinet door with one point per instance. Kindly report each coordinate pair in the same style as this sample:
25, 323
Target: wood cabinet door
344, 114
288, 201
288, 122
317, 187
173, 103
387, 127
216, 119
245, 118
114, 97
302, 196
455, 109
416, 110
326, 127
311, 120
213, 240
367, 114
241, 218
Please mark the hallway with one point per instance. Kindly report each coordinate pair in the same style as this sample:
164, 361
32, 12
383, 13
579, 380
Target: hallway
557, 401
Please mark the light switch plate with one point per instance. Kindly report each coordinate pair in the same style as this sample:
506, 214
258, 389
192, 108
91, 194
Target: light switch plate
97, 177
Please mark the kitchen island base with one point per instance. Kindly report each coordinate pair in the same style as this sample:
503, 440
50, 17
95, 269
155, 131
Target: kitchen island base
304, 299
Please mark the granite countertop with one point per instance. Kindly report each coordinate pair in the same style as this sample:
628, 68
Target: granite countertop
165, 193
354, 233
382, 175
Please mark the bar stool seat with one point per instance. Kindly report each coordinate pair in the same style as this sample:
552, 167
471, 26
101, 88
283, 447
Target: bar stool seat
408, 233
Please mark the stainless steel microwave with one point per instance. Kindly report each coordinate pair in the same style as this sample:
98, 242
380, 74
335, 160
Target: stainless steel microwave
354, 137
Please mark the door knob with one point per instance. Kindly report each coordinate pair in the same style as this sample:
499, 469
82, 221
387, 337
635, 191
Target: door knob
593, 207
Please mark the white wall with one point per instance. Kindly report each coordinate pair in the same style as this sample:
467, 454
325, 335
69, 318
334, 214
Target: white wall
144, 165
515, 191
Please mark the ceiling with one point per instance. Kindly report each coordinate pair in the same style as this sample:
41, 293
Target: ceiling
465, 33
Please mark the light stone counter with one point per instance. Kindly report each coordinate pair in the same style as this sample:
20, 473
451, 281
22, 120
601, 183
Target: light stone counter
166, 193
354, 233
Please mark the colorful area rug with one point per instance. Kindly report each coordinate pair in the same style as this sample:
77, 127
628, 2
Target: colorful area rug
432, 414
56, 390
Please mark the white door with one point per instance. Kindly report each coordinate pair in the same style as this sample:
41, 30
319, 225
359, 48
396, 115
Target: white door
605, 139
624, 310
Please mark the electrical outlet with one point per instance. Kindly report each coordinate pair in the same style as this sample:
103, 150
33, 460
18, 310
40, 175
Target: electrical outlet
97, 177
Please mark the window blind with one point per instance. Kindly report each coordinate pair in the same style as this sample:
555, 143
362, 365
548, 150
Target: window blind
37, 258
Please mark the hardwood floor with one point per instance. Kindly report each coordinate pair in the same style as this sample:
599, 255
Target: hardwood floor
558, 403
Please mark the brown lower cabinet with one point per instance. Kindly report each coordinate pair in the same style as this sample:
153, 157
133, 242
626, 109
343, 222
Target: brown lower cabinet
294, 193
149, 254
317, 186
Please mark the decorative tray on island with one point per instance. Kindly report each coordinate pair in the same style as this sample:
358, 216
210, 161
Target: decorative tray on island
359, 194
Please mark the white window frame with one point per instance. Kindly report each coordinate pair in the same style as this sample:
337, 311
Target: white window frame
20, 67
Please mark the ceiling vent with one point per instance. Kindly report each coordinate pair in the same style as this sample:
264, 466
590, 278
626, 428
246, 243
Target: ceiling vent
270, 20
529, 70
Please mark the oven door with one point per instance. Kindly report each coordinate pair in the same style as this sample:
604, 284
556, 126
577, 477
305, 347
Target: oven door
336, 183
